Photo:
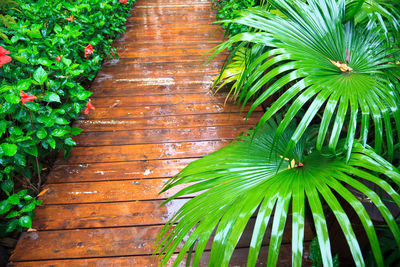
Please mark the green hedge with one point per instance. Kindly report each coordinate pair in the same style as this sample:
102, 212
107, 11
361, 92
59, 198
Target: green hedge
229, 9
49, 48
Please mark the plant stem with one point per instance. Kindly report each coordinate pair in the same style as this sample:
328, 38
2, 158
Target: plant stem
36, 158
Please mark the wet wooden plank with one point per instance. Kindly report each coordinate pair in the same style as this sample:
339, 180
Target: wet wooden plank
178, 11
178, 121
100, 215
111, 242
106, 191
132, 112
158, 136
141, 22
182, 29
166, 20
125, 52
130, 89
238, 259
125, 66
151, 100
142, 151
204, 81
146, 69
143, 169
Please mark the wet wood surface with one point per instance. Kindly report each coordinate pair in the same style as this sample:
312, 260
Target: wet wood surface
154, 115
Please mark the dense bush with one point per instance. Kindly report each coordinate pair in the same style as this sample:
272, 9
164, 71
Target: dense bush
48, 50
229, 9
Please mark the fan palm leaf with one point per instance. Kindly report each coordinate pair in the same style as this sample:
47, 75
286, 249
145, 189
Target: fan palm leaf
384, 14
251, 177
318, 64
231, 72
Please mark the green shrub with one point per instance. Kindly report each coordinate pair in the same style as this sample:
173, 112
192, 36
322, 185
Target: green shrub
229, 9
55, 47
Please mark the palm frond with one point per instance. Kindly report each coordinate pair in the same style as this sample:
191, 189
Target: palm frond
320, 65
384, 14
251, 175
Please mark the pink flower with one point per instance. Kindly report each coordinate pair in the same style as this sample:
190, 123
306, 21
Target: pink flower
88, 50
25, 97
89, 106
70, 19
4, 59
123, 1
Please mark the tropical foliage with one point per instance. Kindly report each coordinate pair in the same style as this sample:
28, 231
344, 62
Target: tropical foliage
332, 68
48, 51
229, 9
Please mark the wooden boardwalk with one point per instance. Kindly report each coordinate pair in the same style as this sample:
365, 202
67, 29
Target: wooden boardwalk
154, 114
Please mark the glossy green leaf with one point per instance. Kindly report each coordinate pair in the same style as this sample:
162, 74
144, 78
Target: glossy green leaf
40, 75
9, 149
41, 133
51, 97
25, 221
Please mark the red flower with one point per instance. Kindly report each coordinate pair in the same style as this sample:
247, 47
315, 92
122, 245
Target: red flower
70, 19
89, 106
4, 59
25, 97
88, 50
59, 58
123, 1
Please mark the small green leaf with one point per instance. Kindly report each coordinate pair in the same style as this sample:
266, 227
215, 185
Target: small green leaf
40, 75
46, 120
6, 88
31, 206
24, 84
13, 99
21, 59
13, 214
4, 206
57, 28
11, 225
83, 95
66, 61
61, 121
31, 150
28, 197
41, 133
3, 127
32, 106
22, 193
51, 97
25, 221
51, 142
14, 39
14, 130
45, 61
19, 159
76, 131
9, 149
13, 199
69, 141
34, 34
59, 132
7, 186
